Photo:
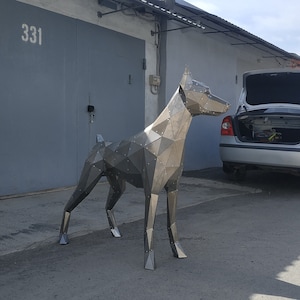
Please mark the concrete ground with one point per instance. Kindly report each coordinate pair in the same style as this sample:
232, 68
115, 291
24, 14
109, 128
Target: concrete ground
239, 237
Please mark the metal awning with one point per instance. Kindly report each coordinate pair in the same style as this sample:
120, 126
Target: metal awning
189, 15
236, 35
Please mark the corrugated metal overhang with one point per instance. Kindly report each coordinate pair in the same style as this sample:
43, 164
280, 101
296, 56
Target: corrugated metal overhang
190, 16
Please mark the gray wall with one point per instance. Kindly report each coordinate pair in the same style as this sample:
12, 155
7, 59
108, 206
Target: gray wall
127, 22
212, 60
52, 67
45, 129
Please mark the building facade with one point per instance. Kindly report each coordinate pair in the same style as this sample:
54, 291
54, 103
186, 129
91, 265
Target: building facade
72, 69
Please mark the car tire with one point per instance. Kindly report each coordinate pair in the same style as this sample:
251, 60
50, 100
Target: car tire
235, 173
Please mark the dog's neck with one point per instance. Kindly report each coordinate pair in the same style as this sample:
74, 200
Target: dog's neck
174, 121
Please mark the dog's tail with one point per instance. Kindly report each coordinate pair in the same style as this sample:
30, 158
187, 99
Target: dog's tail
99, 138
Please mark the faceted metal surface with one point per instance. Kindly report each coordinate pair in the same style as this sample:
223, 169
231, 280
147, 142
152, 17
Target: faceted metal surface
152, 159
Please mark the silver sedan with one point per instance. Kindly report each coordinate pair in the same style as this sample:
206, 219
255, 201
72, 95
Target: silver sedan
264, 133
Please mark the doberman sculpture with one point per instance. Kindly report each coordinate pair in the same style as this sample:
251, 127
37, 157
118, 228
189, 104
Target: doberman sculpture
152, 160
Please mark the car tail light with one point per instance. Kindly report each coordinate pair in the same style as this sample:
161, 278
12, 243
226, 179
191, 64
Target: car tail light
226, 127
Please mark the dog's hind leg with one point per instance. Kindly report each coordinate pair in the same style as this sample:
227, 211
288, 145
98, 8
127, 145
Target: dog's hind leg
172, 191
117, 187
91, 173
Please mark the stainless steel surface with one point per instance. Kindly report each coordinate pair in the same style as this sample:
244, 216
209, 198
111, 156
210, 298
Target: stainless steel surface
152, 160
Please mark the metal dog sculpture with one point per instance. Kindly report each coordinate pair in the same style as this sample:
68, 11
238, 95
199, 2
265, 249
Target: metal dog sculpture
152, 159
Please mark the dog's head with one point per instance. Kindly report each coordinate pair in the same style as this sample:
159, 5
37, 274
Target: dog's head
198, 98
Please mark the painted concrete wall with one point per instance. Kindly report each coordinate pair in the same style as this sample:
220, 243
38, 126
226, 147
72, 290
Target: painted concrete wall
210, 58
214, 61
127, 23
52, 68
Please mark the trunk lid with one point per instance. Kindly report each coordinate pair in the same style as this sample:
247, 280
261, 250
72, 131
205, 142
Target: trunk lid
269, 107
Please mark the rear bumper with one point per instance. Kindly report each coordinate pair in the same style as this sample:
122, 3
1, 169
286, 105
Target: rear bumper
272, 155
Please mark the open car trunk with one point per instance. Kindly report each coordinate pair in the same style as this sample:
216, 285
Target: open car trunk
271, 113
265, 126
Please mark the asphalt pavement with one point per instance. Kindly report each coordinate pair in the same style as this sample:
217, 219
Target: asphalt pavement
241, 240
30, 220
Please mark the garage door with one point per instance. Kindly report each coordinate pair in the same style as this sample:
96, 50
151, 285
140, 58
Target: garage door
52, 68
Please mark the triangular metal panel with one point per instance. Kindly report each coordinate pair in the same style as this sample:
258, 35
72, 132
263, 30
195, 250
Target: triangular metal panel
176, 106
92, 177
165, 115
134, 147
161, 127
154, 147
152, 137
180, 120
140, 139
165, 143
138, 159
113, 158
123, 148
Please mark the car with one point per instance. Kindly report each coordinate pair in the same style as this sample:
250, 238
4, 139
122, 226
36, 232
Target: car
264, 132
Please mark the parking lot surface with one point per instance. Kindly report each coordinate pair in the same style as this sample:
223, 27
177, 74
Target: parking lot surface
241, 239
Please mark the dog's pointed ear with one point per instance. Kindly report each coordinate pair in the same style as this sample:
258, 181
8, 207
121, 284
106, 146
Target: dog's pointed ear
182, 94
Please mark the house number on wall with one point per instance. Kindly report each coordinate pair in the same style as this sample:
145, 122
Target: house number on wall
31, 34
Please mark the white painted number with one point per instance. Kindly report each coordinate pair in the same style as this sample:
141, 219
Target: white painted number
32, 34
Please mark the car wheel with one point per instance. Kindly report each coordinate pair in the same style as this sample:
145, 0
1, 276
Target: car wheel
235, 173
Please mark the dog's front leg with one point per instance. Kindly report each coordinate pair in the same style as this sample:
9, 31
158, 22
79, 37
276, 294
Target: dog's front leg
150, 210
177, 250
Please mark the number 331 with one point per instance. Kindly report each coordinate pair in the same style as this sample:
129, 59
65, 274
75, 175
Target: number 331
31, 34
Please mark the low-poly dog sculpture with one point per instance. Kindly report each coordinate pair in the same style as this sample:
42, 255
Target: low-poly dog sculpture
152, 160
